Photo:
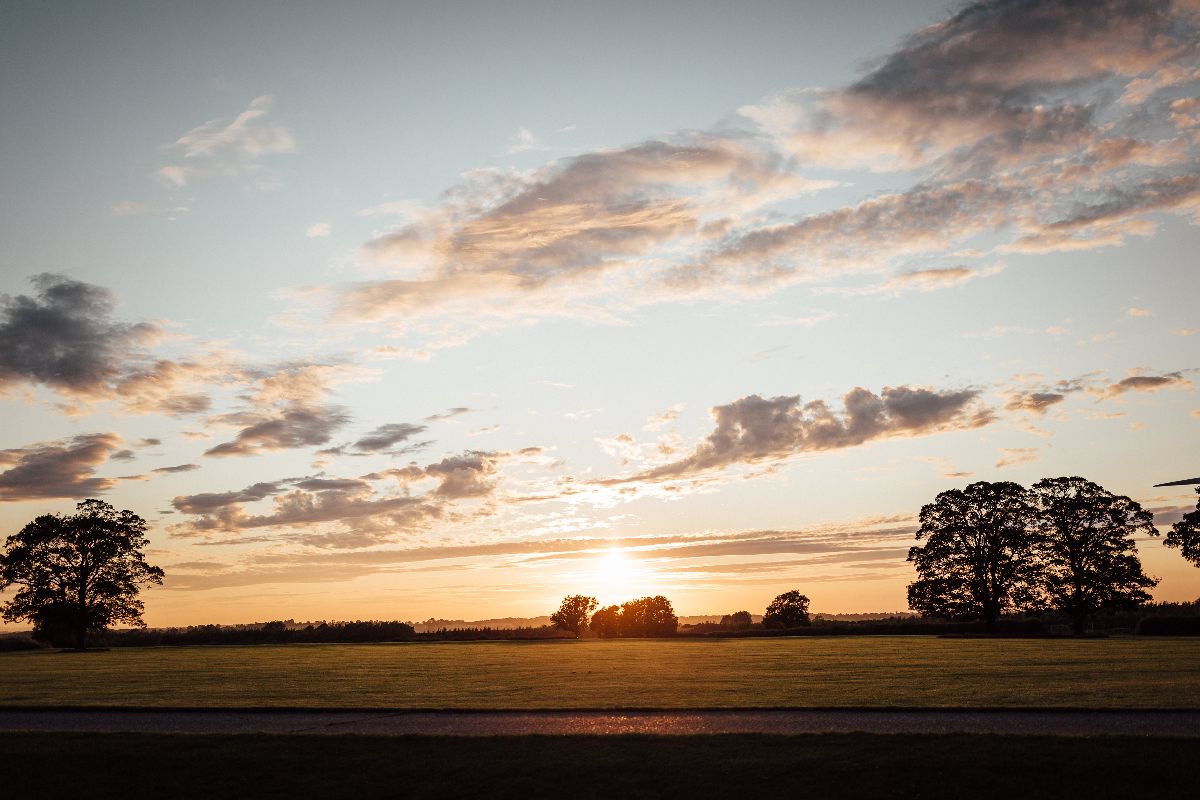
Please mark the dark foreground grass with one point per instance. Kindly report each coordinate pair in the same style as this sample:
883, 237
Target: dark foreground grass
744, 766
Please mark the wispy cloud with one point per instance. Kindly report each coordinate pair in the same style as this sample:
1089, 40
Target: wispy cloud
234, 147
363, 510
1012, 456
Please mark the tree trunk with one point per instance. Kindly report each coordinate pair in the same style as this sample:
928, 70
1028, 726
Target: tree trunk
81, 638
1079, 622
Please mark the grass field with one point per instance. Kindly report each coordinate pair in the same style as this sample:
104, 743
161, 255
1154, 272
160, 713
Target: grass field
800, 672
830, 766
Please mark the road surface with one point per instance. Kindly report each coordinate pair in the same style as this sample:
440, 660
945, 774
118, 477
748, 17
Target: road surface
515, 723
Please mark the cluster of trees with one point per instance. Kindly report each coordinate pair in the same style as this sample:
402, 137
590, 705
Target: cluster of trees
645, 616
654, 616
1064, 544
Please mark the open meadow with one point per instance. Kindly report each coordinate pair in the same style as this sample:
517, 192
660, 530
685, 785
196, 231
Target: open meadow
803, 672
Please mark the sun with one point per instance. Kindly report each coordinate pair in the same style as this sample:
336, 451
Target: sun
616, 576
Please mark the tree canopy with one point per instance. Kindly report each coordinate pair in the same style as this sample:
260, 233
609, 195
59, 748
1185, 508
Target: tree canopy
77, 573
788, 610
1185, 534
1084, 540
645, 616
572, 614
978, 558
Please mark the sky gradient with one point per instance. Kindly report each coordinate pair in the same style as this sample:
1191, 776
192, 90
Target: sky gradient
395, 311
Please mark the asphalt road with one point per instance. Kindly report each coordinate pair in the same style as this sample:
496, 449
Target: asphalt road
514, 723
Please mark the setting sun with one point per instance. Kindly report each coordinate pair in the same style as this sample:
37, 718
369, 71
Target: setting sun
617, 577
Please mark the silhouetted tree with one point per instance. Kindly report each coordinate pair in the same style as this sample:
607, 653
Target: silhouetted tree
1185, 534
77, 573
1088, 560
606, 622
648, 616
978, 557
572, 615
788, 610
738, 620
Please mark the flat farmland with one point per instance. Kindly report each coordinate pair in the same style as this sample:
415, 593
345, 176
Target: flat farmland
802, 672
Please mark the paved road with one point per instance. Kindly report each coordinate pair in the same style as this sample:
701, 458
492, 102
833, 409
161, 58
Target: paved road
493, 723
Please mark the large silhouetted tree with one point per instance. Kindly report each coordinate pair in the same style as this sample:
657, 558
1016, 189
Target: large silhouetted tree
978, 557
1185, 534
788, 610
78, 573
1084, 539
572, 615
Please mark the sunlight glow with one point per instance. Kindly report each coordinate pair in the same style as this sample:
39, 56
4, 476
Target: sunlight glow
617, 577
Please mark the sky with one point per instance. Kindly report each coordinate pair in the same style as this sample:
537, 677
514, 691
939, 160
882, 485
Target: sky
411, 310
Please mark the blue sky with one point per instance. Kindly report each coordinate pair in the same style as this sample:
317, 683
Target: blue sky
401, 310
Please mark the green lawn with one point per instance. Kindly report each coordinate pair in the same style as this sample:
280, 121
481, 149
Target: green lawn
829, 766
800, 672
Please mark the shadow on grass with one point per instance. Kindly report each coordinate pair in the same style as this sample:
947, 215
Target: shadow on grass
842, 765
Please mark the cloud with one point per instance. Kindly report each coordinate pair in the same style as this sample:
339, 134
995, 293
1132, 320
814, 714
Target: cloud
58, 469
387, 436
1007, 72
171, 388
522, 142
1146, 383
366, 513
467, 475
1138, 312
285, 407
1011, 456
928, 280
507, 242
1009, 124
663, 418
449, 414
228, 147
320, 230
754, 429
1040, 399
65, 337
176, 469
296, 425
384, 440
1034, 402
208, 502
